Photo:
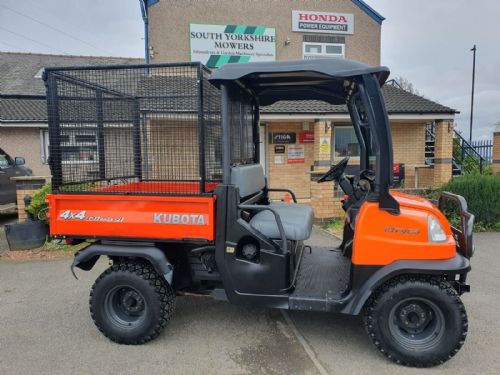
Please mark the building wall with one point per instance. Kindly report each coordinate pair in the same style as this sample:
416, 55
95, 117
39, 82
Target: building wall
294, 176
408, 143
24, 142
173, 150
408, 146
169, 25
496, 150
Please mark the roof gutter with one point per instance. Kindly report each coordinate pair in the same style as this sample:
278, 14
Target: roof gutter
22, 96
345, 116
23, 124
376, 16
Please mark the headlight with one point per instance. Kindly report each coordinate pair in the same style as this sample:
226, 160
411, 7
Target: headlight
435, 230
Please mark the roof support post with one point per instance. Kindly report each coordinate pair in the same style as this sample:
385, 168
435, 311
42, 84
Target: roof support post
226, 134
201, 131
136, 135
55, 152
255, 127
100, 135
360, 135
379, 125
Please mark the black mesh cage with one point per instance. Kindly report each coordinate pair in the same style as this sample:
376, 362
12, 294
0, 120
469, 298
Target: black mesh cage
242, 127
152, 129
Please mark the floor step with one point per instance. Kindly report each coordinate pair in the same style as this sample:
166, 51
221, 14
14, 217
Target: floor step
323, 277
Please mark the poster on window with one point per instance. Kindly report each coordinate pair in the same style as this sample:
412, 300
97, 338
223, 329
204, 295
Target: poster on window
296, 154
216, 45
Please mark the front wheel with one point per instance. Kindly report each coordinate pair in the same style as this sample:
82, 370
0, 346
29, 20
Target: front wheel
130, 303
419, 322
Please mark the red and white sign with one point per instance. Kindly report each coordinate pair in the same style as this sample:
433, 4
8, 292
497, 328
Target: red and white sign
306, 137
321, 22
296, 154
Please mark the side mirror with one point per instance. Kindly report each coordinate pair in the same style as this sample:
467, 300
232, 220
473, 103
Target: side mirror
19, 160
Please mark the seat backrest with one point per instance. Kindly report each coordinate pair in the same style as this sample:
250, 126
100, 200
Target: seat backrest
249, 179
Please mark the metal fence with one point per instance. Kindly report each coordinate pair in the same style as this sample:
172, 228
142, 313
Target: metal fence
144, 129
484, 148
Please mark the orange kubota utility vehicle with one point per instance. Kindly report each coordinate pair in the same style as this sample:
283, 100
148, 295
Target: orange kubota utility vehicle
159, 164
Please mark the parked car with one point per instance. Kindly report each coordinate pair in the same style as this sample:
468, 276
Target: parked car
10, 168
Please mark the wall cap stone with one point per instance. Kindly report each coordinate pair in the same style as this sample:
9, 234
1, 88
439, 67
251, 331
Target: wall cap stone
29, 178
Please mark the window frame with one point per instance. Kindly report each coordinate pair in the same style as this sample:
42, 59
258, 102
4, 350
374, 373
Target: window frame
323, 47
71, 142
44, 146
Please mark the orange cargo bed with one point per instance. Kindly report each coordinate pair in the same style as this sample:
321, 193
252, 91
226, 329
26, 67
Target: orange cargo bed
155, 217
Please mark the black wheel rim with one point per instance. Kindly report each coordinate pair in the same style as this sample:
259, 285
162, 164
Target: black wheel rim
125, 307
416, 324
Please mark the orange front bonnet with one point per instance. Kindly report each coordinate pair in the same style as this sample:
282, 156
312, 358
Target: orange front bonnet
381, 238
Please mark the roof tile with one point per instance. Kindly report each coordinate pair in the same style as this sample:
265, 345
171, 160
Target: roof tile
22, 95
397, 101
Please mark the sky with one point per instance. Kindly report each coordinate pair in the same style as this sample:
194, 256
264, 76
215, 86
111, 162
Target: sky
427, 42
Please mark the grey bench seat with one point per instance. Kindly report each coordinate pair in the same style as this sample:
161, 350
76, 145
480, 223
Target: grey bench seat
297, 220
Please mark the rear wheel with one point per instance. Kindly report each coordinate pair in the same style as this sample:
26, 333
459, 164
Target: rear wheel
130, 303
417, 322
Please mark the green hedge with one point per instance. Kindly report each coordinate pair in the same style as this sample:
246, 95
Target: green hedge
38, 207
482, 193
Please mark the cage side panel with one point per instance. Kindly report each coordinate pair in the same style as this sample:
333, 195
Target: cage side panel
116, 126
242, 123
138, 217
212, 130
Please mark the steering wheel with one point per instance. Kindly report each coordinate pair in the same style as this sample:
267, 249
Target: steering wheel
335, 171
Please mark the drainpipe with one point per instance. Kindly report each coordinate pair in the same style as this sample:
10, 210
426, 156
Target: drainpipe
144, 11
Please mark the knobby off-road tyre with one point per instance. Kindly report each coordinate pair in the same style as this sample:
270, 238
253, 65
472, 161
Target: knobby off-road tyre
416, 321
130, 303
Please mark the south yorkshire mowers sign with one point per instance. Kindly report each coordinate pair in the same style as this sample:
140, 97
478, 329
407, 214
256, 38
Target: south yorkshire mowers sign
216, 45
322, 22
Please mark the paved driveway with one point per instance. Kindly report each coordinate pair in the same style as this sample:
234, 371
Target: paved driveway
45, 328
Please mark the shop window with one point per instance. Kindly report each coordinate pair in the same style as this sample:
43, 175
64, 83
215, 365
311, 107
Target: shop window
345, 142
323, 50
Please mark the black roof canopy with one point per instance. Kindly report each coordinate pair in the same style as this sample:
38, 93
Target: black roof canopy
323, 79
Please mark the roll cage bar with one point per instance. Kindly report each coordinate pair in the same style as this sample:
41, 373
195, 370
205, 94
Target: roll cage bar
335, 81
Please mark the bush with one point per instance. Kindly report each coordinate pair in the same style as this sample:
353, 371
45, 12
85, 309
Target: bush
482, 193
38, 207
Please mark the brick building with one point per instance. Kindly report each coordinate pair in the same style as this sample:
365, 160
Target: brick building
299, 140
